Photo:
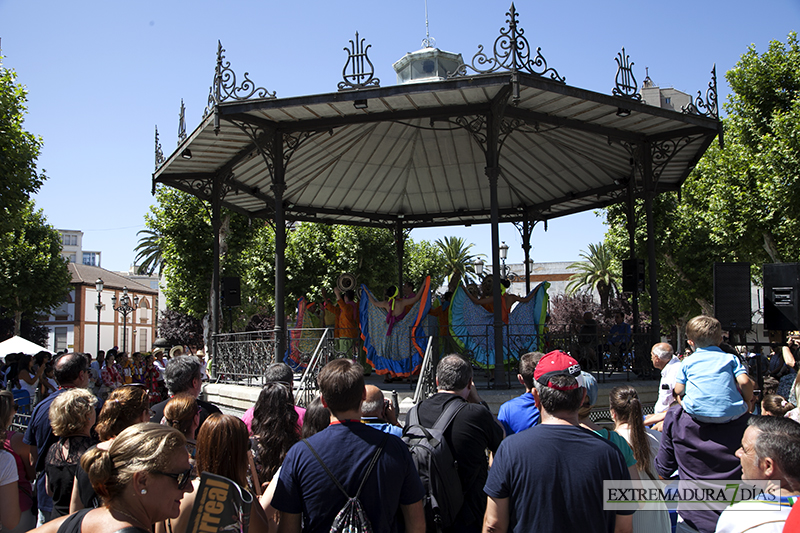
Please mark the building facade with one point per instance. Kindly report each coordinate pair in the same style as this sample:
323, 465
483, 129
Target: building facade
73, 325
72, 248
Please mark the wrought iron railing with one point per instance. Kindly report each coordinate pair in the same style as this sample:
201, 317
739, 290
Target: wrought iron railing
308, 388
426, 384
241, 358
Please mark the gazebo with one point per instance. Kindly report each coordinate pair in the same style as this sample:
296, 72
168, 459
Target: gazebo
501, 139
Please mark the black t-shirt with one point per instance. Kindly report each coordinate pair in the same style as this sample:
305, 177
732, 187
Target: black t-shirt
553, 478
60, 466
206, 410
472, 432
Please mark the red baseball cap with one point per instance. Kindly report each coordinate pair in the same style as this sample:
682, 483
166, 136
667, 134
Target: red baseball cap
557, 363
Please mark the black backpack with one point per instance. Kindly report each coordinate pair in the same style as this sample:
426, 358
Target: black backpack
351, 518
436, 466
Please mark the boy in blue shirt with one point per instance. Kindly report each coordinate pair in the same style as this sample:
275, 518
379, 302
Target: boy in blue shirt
707, 380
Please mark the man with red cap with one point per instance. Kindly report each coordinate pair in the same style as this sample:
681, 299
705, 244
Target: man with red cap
550, 477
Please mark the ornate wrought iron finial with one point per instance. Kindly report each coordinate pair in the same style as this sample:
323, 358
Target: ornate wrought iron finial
225, 86
362, 71
625, 80
159, 153
182, 124
709, 104
512, 52
428, 41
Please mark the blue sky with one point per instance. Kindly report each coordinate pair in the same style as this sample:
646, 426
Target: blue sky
102, 75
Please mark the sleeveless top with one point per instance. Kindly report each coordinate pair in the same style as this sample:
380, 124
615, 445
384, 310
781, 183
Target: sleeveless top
74, 521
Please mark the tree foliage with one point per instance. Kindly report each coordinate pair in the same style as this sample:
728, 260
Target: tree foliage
19, 150
180, 329
148, 253
35, 277
739, 203
458, 257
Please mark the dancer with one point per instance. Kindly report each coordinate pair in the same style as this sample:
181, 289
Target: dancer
304, 337
471, 323
393, 339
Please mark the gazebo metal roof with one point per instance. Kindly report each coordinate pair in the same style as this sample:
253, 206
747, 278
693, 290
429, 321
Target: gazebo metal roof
417, 152
510, 143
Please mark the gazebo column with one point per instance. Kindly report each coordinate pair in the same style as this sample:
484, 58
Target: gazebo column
400, 248
630, 215
649, 192
493, 173
216, 225
278, 188
527, 229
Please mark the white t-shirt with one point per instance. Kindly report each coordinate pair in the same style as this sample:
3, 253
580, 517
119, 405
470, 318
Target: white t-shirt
668, 376
8, 468
754, 516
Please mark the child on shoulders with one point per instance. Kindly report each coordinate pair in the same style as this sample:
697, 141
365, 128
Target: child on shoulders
707, 380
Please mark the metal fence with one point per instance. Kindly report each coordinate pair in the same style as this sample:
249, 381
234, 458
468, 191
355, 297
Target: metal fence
241, 358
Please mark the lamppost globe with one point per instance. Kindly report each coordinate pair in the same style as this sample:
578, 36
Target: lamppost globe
478, 265
503, 249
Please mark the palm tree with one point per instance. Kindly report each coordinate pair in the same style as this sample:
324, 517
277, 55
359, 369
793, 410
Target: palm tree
595, 273
148, 251
457, 256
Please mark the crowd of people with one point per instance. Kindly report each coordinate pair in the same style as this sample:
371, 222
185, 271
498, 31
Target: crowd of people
101, 461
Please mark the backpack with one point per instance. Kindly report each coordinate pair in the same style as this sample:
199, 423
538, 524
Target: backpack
351, 518
437, 468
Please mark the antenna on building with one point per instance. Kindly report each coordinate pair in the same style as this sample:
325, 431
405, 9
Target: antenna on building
428, 41
647, 81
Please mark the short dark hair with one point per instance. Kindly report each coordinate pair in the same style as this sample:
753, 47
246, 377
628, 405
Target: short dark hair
453, 373
527, 364
554, 400
180, 372
778, 439
341, 383
280, 372
68, 368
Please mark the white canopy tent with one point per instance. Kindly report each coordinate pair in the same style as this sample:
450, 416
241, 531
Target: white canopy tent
17, 344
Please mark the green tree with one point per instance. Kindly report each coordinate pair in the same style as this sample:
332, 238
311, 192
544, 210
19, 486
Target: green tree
596, 273
35, 276
458, 257
19, 148
424, 258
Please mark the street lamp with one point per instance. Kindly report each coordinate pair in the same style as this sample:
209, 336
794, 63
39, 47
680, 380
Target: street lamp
125, 309
98, 285
478, 264
503, 249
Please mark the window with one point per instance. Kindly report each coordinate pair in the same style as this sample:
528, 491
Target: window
668, 100
72, 258
90, 258
142, 333
61, 339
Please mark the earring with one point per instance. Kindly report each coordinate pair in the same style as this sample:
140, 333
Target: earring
143, 491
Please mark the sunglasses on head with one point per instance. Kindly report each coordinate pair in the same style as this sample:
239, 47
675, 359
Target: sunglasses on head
182, 478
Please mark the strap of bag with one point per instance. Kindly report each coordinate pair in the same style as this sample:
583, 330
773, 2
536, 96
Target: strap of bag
447, 416
366, 475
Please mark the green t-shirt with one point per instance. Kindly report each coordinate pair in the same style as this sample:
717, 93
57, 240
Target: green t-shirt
621, 443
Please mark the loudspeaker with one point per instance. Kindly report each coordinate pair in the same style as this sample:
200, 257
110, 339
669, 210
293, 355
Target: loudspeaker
632, 275
230, 288
781, 306
732, 295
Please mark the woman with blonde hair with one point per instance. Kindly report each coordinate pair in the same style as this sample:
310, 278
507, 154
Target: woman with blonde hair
72, 417
9, 493
125, 406
141, 477
182, 413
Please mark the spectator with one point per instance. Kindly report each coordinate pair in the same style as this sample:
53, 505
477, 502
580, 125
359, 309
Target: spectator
708, 379
521, 412
304, 491
125, 407
141, 477
774, 405
471, 433
275, 429
15, 474
183, 414
26, 378
770, 451
550, 478
183, 375
72, 417
276, 372
71, 372
664, 359
222, 449
95, 368
318, 417
378, 412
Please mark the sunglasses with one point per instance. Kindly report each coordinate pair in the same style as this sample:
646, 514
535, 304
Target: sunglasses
182, 478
